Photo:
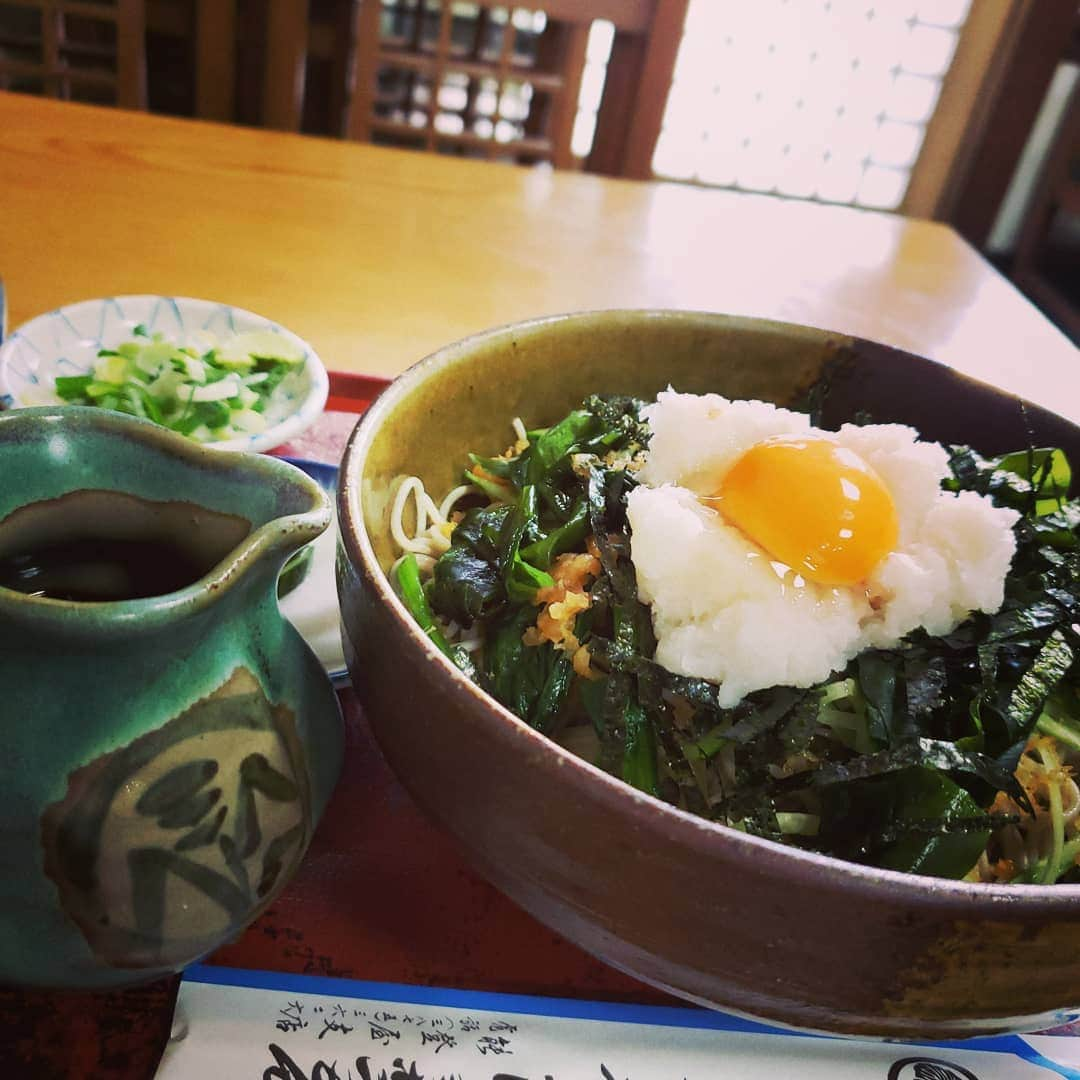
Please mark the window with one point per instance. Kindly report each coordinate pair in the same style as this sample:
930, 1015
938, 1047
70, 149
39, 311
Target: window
812, 99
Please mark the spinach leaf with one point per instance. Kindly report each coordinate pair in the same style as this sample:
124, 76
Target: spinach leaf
916, 820
523, 580
639, 756
499, 467
532, 681
467, 581
465, 585
592, 693
627, 736
1047, 474
498, 492
483, 568
553, 694
877, 674
557, 442
564, 538
412, 594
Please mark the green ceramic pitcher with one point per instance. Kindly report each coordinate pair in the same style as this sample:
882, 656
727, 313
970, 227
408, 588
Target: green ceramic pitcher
170, 741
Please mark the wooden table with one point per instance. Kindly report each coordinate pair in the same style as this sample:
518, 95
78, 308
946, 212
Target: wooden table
377, 257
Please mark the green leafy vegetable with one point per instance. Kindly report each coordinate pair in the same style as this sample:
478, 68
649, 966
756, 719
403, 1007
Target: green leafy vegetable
557, 442
484, 568
893, 761
917, 820
562, 538
411, 590
639, 757
532, 682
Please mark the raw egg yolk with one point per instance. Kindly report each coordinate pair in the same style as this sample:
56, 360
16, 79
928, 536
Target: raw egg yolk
812, 505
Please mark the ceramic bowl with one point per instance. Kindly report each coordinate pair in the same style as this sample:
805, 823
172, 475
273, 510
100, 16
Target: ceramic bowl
706, 912
66, 342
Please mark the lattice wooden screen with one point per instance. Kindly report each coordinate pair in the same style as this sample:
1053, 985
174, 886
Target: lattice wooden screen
479, 79
88, 50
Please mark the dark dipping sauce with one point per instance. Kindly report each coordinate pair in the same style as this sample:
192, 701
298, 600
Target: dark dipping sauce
96, 569
102, 546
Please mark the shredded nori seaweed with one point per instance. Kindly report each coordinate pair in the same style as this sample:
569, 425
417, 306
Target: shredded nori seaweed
897, 756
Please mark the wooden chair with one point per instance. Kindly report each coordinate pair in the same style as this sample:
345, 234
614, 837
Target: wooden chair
639, 73
430, 77
253, 61
215, 59
91, 50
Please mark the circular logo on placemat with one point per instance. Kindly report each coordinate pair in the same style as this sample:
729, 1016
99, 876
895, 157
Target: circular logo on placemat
924, 1068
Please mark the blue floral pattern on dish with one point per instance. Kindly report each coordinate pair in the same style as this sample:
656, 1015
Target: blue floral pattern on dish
66, 342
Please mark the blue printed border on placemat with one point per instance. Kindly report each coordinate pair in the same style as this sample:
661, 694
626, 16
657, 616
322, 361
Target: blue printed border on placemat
571, 1009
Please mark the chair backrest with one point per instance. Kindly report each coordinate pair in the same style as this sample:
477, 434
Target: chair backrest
89, 50
215, 59
275, 37
493, 81
253, 62
636, 86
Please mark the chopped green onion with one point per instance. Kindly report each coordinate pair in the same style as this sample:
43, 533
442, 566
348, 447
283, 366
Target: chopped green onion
72, 386
217, 395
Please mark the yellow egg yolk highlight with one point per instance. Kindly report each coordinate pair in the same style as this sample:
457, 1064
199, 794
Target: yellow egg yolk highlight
812, 505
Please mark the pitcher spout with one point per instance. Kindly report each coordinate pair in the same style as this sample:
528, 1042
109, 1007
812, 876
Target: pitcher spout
137, 520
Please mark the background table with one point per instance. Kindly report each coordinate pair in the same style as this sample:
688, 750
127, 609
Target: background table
378, 257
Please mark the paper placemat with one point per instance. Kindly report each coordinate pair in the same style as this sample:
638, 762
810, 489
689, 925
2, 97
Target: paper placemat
235, 1023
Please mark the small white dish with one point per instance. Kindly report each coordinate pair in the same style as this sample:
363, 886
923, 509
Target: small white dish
66, 342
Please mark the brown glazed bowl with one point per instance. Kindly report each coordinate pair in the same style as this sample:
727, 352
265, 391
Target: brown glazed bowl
698, 909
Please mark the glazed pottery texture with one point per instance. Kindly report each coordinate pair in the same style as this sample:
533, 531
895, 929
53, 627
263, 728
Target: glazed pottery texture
704, 911
167, 754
